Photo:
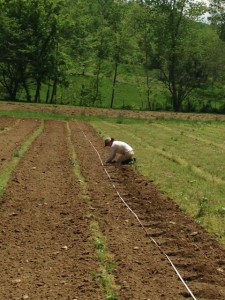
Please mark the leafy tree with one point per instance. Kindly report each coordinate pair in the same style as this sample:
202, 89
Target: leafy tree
99, 36
120, 43
180, 70
45, 44
101, 44
217, 16
141, 27
47, 26
29, 36
14, 48
86, 46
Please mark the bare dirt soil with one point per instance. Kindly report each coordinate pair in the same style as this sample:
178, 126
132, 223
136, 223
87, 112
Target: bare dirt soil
87, 111
46, 246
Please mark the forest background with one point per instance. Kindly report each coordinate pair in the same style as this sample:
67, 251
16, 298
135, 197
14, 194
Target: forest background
144, 55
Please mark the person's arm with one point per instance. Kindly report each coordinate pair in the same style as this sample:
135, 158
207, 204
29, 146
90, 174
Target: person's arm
111, 156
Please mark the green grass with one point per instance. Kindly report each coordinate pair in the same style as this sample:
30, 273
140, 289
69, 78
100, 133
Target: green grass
130, 89
185, 160
106, 262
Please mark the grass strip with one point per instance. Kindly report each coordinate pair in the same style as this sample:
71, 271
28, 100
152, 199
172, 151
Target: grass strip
198, 171
6, 173
76, 168
106, 262
194, 137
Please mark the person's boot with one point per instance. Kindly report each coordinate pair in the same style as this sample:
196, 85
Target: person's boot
127, 161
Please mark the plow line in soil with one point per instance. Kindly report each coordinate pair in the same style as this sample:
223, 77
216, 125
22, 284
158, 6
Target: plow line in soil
46, 245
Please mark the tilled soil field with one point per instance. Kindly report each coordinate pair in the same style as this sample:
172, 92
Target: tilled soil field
46, 244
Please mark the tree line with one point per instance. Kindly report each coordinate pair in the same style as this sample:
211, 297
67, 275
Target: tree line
45, 44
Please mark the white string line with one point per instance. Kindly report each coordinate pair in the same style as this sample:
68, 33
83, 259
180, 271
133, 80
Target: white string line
152, 239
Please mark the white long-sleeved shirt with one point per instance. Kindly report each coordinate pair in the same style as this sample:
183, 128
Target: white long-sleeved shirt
120, 148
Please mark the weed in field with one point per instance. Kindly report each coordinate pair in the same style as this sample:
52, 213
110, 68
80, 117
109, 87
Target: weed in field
104, 278
119, 120
203, 207
110, 266
99, 244
17, 154
221, 211
86, 198
106, 262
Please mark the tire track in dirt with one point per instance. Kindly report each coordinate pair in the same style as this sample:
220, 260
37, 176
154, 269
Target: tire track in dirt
142, 271
12, 140
45, 245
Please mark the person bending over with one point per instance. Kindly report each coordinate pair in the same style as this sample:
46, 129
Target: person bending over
125, 152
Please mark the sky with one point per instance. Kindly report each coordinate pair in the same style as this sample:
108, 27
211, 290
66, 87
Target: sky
206, 1
204, 18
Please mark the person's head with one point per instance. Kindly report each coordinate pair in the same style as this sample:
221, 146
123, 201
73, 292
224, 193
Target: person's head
109, 141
